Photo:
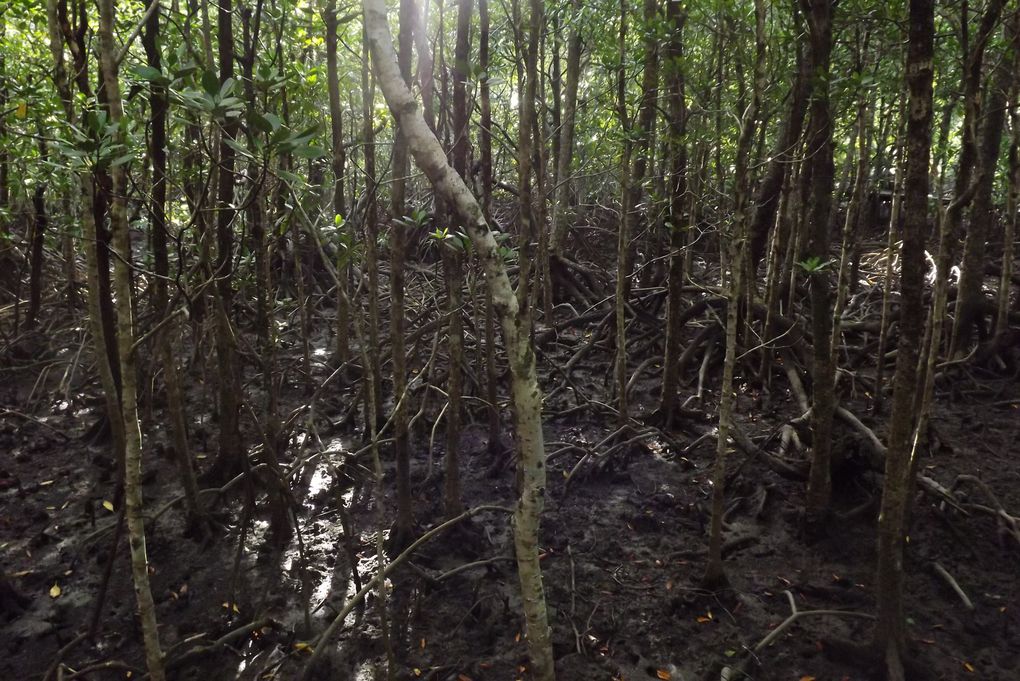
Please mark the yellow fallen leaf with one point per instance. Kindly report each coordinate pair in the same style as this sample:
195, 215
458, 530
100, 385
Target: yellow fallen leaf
969, 667
55, 591
417, 672
807, 678
108, 505
301, 645
46, 483
663, 674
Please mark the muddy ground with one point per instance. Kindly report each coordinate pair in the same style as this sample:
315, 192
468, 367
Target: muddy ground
623, 543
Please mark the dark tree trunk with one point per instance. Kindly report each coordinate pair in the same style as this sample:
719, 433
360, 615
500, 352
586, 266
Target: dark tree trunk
819, 150
767, 200
231, 449
890, 635
971, 301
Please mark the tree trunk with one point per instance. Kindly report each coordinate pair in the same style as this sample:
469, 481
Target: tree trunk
676, 139
158, 225
39, 225
398, 248
485, 152
125, 342
970, 298
714, 576
890, 636
526, 392
819, 14
338, 162
228, 461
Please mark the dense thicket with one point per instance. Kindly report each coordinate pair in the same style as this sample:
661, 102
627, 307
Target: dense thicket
282, 242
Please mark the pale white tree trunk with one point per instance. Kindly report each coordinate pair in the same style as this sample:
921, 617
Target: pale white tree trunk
527, 397
125, 340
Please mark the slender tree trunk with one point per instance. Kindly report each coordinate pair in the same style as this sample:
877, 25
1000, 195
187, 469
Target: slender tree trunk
485, 152
1009, 224
97, 296
887, 279
737, 245
453, 266
338, 162
819, 15
371, 222
125, 338
526, 392
676, 140
890, 636
638, 148
767, 200
158, 224
971, 301
39, 225
228, 461
398, 247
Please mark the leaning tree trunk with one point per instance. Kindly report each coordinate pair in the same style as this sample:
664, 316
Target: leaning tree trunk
429, 155
767, 202
126, 355
971, 300
890, 635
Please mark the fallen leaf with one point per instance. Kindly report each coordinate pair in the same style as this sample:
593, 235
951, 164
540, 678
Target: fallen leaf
807, 678
417, 672
422, 644
108, 505
969, 667
55, 591
663, 674
301, 645
46, 483
463, 677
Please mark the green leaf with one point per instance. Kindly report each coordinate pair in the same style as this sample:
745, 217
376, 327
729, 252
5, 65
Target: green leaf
210, 83
259, 121
148, 73
309, 152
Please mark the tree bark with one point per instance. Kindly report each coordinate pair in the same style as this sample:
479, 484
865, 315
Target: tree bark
970, 298
158, 104
819, 15
430, 158
890, 636
676, 139
125, 342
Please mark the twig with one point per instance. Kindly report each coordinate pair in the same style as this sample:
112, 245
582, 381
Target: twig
944, 574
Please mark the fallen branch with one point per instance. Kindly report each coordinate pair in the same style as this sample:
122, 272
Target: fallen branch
738, 670
948, 578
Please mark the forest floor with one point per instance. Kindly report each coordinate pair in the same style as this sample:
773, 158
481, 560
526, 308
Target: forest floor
623, 544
